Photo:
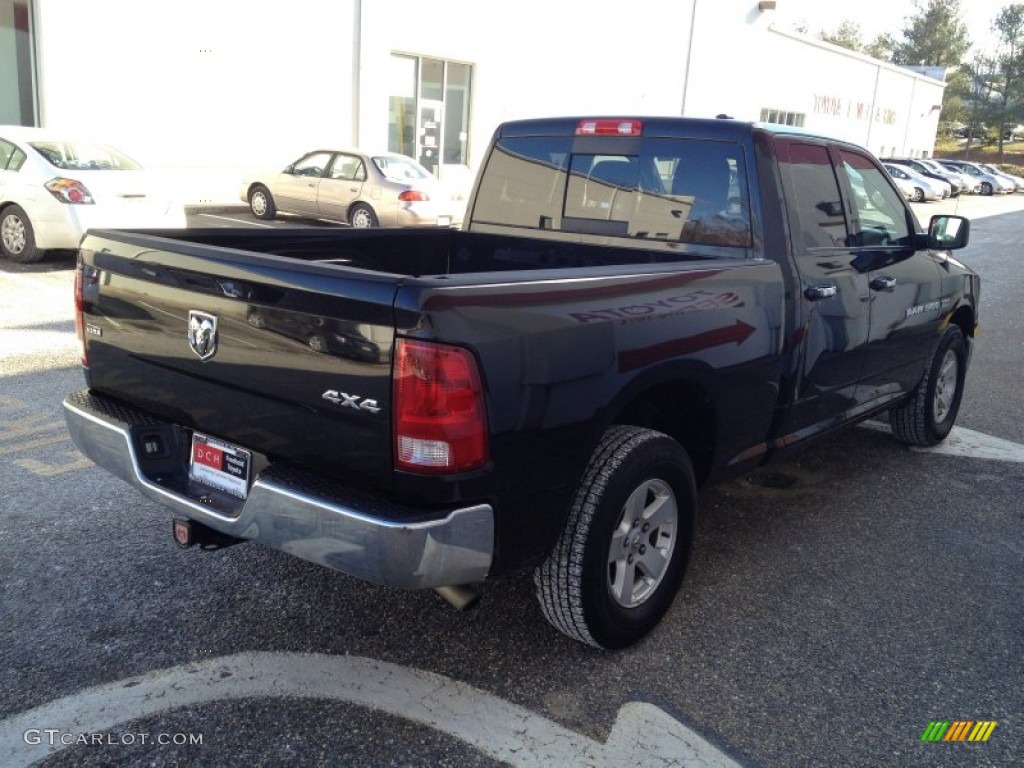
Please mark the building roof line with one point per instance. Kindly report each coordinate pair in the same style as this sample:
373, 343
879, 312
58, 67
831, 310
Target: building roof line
855, 55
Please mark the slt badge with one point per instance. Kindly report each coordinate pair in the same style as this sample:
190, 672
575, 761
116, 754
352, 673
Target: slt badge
202, 333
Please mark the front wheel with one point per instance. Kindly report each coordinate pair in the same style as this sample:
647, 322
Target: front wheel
622, 554
261, 203
927, 417
17, 238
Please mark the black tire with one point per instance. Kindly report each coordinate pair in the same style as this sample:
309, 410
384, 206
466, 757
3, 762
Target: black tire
601, 550
261, 203
17, 238
927, 417
318, 343
361, 216
986, 188
918, 195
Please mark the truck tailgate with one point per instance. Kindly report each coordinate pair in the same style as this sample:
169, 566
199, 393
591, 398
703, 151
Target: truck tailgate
284, 357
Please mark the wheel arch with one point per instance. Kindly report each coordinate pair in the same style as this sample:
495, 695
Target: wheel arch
964, 317
253, 186
682, 409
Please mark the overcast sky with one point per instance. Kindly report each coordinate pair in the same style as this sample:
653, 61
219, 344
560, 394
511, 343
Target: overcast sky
878, 16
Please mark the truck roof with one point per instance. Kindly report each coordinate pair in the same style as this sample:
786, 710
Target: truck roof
721, 128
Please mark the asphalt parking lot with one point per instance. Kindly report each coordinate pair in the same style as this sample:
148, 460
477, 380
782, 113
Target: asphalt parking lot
839, 603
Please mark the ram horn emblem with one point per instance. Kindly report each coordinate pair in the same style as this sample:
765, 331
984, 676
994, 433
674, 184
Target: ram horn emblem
202, 333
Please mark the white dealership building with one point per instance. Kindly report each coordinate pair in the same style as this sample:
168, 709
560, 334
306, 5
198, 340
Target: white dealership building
211, 87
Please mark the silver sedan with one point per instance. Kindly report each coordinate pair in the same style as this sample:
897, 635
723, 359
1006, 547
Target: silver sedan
363, 189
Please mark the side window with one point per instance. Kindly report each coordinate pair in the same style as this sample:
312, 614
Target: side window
312, 165
11, 158
817, 204
879, 216
348, 168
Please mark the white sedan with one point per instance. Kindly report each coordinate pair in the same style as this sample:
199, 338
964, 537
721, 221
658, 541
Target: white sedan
915, 187
53, 187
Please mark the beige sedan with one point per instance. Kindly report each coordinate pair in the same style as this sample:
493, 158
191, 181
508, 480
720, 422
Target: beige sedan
365, 190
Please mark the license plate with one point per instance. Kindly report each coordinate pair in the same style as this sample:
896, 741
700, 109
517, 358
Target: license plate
220, 465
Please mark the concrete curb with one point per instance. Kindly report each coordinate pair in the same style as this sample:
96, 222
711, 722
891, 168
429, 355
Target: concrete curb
191, 210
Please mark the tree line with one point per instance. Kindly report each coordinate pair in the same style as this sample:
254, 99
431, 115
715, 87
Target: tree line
984, 97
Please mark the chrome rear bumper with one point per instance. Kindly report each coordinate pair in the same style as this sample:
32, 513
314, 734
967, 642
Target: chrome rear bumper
357, 534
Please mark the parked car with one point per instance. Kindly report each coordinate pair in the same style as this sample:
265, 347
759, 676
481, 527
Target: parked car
360, 188
990, 185
917, 188
55, 185
967, 183
955, 183
1018, 182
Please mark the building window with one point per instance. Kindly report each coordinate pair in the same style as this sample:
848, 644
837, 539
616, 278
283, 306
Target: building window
782, 117
429, 110
17, 64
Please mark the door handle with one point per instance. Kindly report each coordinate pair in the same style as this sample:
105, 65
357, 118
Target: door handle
819, 292
883, 283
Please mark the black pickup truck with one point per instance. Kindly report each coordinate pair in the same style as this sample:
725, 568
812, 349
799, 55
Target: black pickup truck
633, 307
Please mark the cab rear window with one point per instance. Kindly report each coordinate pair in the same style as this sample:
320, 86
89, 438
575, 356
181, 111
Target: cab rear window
671, 190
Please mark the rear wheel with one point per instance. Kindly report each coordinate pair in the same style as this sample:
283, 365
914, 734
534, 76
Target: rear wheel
918, 195
626, 543
261, 202
928, 416
986, 188
17, 238
362, 217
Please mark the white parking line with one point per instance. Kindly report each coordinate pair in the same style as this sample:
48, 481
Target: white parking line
237, 221
966, 443
642, 734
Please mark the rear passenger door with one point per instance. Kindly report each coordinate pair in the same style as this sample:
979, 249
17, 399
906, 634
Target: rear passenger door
833, 287
341, 186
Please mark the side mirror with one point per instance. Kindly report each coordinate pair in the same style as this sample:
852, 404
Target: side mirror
947, 233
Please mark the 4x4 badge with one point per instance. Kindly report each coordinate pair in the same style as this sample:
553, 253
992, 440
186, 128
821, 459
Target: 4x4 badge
202, 333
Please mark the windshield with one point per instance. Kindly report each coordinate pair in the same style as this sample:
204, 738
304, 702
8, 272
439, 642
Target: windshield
83, 156
398, 168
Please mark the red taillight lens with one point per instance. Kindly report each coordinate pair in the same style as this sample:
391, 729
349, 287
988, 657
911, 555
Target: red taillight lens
69, 191
610, 128
80, 314
413, 195
440, 427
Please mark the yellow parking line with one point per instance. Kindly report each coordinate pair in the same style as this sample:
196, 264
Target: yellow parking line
30, 444
42, 469
28, 426
10, 402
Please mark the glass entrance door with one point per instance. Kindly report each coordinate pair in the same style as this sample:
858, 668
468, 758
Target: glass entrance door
429, 111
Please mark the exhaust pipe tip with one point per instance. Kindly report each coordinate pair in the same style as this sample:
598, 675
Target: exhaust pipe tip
459, 596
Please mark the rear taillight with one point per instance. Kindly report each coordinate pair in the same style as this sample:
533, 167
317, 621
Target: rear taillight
439, 426
610, 127
84, 275
413, 196
80, 314
69, 191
